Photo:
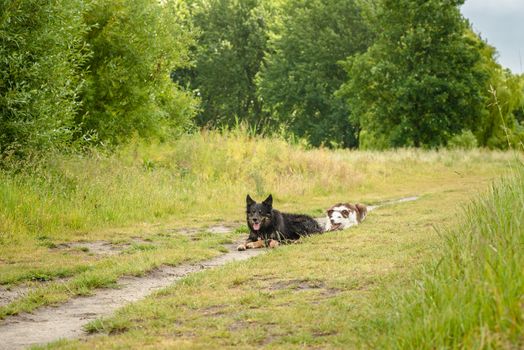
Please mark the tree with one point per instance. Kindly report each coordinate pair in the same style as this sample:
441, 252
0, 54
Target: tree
499, 126
136, 44
302, 71
41, 45
420, 82
227, 57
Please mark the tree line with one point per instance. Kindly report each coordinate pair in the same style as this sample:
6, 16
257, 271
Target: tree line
338, 73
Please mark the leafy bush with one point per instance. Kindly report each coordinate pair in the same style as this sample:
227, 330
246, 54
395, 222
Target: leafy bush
42, 52
465, 140
136, 44
500, 128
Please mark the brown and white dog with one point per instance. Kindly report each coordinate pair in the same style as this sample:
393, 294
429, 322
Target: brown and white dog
344, 215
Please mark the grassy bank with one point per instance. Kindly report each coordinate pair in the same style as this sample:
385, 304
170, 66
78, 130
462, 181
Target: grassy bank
201, 177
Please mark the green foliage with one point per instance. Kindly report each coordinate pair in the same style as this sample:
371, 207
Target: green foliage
99, 71
419, 83
301, 73
230, 48
499, 126
465, 140
136, 44
42, 53
502, 129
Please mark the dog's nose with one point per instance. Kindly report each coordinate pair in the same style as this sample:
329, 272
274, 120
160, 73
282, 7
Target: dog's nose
255, 220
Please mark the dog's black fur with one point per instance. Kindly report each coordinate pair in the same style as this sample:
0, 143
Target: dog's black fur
267, 223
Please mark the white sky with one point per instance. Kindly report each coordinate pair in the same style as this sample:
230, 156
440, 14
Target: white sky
501, 24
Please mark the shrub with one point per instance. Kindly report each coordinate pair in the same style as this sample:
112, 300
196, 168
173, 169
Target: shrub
464, 140
42, 52
136, 45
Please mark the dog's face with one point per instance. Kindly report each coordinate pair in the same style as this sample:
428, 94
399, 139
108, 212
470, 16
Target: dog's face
259, 214
341, 216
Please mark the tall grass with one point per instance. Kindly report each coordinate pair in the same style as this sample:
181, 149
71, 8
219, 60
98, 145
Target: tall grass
201, 177
473, 297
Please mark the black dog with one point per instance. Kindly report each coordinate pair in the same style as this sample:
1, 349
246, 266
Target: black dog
268, 226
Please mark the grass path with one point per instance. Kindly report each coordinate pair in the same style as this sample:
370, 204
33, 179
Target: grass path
60, 273
53, 261
67, 320
325, 292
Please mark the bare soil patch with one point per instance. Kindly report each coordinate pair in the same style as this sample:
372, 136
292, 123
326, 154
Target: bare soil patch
212, 229
7, 295
104, 248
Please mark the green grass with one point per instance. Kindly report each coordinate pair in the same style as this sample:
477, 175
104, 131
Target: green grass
75, 272
473, 296
359, 288
204, 178
321, 293
317, 294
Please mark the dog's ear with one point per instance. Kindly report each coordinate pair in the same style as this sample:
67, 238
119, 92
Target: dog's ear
361, 207
249, 201
268, 201
361, 211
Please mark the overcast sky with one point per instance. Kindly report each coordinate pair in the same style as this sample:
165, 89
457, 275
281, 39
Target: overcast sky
501, 23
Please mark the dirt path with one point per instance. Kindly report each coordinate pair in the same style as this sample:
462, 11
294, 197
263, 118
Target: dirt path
67, 320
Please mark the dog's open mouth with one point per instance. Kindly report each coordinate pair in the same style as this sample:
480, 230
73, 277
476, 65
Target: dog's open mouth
335, 226
256, 226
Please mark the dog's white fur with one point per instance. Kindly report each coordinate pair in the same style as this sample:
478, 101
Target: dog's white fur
344, 215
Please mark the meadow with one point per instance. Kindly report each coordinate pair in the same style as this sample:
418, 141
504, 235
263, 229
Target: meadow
132, 131
395, 281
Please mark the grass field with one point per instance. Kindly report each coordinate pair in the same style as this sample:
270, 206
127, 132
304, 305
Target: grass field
374, 286
330, 291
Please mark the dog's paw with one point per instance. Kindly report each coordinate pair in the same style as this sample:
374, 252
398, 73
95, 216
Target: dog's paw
241, 247
255, 245
273, 243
